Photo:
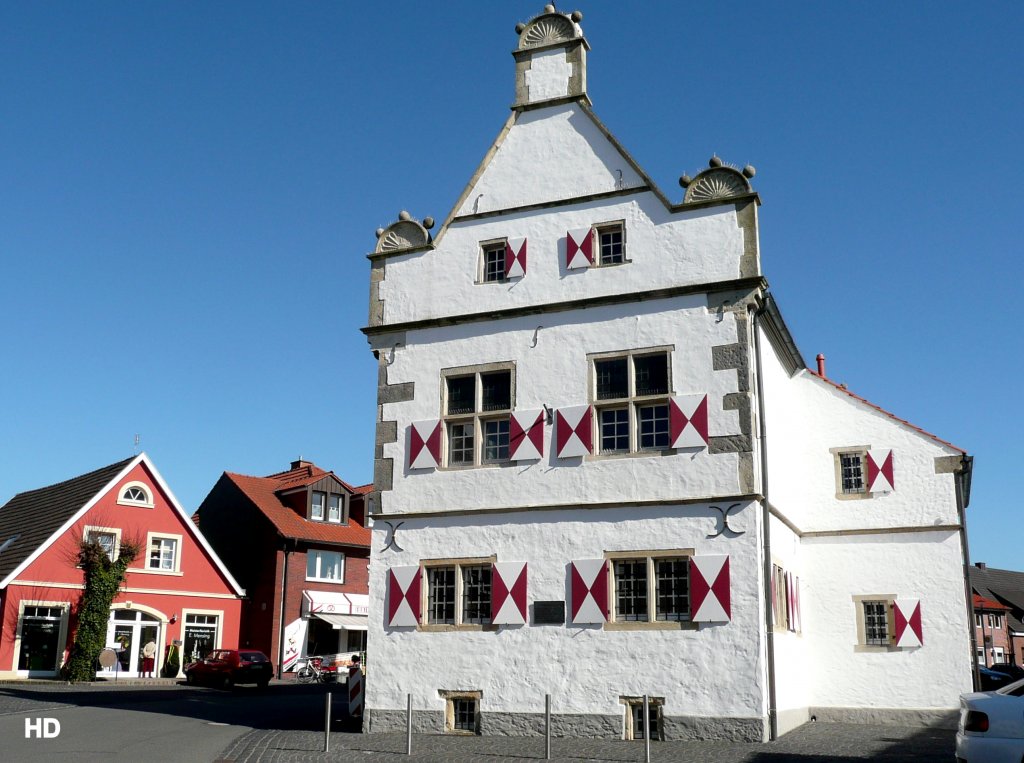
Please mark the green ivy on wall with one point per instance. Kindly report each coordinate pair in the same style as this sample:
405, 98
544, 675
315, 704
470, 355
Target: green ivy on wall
103, 578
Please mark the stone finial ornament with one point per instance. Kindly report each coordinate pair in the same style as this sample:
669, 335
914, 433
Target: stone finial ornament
718, 181
550, 26
406, 233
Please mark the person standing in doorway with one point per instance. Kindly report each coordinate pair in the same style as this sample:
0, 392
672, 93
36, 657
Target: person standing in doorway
148, 658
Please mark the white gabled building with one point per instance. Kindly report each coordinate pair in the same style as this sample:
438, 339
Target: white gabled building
603, 470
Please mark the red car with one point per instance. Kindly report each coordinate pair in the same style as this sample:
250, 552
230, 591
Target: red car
227, 667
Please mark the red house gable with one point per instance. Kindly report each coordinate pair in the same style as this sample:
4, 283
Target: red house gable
176, 590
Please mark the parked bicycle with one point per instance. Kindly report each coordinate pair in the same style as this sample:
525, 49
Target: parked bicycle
314, 670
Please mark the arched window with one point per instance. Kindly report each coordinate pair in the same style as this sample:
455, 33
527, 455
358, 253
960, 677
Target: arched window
136, 494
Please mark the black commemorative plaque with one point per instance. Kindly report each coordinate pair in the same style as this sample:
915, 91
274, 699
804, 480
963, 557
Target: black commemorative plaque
549, 613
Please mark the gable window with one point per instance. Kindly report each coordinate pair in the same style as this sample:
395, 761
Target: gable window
109, 539
851, 472
493, 261
630, 393
651, 587
164, 552
458, 592
334, 502
325, 565
477, 403
876, 623
135, 494
611, 242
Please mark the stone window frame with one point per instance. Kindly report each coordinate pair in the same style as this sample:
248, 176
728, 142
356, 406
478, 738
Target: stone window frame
651, 624
490, 245
629, 403
609, 227
862, 645
449, 696
115, 531
860, 450
458, 564
655, 716
147, 491
478, 416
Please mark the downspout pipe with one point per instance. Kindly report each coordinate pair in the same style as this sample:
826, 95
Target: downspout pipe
281, 611
963, 498
773, 720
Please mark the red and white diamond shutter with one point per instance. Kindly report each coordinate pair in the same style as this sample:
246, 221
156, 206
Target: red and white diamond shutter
508, 593
404, 596
688, 421
515, 258
526, 435
907, 614
579, 248
425, 444
588, 586
880, 471
709, 589
573, 431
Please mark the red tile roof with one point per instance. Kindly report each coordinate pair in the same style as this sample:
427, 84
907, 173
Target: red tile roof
893, 416
980, 602
262, 491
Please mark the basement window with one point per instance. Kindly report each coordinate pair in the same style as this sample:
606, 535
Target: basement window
462, 711
634, 727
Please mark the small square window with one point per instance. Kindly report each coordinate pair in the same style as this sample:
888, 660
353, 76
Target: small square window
653, 426
611, 244
497, 391
635, 727
460, 443
494, 262
163, 554
614, 430
651, 374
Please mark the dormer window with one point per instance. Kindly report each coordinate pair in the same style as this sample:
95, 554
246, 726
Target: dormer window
136, 494
327, 507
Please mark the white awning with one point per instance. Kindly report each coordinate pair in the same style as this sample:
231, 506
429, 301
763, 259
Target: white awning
348, 622
331, 602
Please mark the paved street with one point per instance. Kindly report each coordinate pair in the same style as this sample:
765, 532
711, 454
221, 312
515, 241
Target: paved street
171, 722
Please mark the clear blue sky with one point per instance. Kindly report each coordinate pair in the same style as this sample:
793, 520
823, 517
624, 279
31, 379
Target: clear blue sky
188, 190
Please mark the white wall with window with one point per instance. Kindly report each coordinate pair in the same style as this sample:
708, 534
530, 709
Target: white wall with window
652, 595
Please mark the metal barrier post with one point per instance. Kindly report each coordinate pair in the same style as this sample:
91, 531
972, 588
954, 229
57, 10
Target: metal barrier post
408, 725
647, 730
547, 727
327, 722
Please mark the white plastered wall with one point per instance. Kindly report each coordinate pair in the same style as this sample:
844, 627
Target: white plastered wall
792, 663
925, 566
716, 671
555, 373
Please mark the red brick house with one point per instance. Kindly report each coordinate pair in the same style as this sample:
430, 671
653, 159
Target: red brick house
297, 540
1005, 588
177, 590
992, 631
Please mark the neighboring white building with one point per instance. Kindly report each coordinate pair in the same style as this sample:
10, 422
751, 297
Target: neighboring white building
603, 470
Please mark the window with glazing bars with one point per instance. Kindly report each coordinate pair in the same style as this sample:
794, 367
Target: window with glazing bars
476, 412
440, 595
637, 709
851, 466
494, 262
661, 578
476, 594
464, 711
876, 623
630, 415
611, 244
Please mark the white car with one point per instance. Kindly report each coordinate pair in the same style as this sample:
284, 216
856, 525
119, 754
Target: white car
992, 726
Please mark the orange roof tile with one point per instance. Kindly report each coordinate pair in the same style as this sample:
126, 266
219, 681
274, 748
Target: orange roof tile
262, 491
980, 602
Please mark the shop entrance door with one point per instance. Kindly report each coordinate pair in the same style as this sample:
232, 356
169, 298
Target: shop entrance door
128, 632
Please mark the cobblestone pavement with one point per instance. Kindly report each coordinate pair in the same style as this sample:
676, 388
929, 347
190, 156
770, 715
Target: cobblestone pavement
812, 743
